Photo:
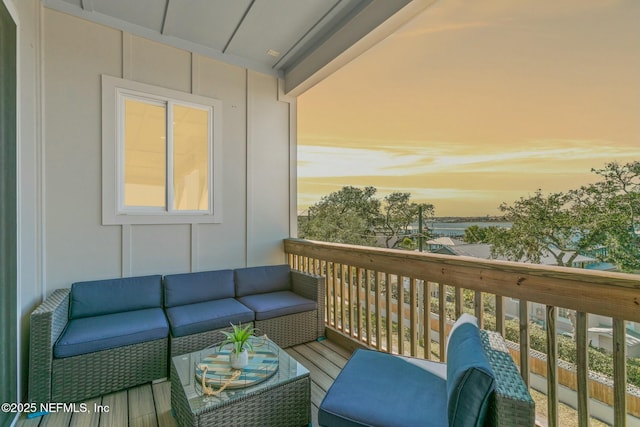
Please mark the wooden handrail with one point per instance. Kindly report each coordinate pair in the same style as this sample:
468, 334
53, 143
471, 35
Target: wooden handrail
598, 292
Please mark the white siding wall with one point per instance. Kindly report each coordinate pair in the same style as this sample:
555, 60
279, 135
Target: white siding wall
62, 238
256, 177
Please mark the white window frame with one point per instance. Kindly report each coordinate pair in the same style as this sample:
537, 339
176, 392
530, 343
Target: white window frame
114, 92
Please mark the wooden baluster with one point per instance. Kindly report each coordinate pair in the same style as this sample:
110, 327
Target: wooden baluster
552, 367
389, 312
582, 366
442, 321
426, 319
478, 306
367, 310
619, 373
525, 345
500, 324
413, 315
378, 309
459, 302
400, 314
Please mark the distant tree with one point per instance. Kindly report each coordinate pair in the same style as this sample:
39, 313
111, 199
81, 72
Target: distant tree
614, 204
353, 215
345, 216
542, 224
598, 216
477, 234
398, 214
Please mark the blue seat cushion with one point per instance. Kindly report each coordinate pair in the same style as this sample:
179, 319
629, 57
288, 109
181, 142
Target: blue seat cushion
379, 389
99, 297
190, 288
260, 280
207, 316
276, 304
91, 334
470, 379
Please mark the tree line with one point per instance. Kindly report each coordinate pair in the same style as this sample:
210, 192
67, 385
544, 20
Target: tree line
600, 219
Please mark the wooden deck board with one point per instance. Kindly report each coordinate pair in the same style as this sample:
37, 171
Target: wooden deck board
149, 405
117, 405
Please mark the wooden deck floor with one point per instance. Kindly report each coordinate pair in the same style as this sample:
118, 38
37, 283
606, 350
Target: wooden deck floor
149, 405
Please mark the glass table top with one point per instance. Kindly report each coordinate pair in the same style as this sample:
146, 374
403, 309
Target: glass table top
187, 366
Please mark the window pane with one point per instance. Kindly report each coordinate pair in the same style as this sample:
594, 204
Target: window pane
190, 158
144, 154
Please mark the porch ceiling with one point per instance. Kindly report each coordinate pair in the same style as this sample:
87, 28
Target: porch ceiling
293, 39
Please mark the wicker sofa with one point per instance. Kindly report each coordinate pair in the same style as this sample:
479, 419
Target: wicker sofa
479, 385
108, 335
284, 304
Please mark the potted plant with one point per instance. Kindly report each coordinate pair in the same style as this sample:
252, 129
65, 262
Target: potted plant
239, 338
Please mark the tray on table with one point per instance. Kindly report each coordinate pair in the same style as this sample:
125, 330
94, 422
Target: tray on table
263, 363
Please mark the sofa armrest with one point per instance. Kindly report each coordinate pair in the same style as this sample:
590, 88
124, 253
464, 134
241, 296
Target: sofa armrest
48, 321
314, 288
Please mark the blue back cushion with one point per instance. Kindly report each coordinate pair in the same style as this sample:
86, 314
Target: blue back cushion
191, 288
470, 379
100, 297
260, 280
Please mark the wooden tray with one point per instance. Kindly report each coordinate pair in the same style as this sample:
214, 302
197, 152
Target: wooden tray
263, 363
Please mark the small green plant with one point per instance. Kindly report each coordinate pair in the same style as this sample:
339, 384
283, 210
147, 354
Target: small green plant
239, 338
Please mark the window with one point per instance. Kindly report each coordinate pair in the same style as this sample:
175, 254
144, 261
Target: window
161, 156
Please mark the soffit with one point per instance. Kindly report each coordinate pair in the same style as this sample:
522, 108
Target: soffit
269, 36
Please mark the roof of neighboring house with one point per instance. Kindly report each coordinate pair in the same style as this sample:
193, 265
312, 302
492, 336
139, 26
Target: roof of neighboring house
630, 339
446, 241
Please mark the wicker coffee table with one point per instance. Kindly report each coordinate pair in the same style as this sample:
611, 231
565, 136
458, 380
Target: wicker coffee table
284, 399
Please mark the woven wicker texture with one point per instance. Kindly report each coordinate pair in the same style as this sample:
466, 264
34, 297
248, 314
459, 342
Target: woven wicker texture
512, 405
47, 323
314, 288
190, 343
290, 330
93, 374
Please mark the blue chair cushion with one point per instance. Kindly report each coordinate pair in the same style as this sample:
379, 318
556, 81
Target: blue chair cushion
99, 297
470, 379
190, 288
276, 304
207, 316
91, 334
260, 280
379, 389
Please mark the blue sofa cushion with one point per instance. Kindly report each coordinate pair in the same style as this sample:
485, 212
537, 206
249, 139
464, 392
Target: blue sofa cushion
384, 390
99, 297
91, 334
276, 304
189, 288
207, 316
470, 379
260, 280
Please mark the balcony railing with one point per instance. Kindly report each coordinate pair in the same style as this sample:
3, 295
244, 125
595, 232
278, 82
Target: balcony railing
403, 302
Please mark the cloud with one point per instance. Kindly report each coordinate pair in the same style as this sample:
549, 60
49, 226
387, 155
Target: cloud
535, 156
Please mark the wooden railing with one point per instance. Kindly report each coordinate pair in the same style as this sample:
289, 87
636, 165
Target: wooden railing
404, 302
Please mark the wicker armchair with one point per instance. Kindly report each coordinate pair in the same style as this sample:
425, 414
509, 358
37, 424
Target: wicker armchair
479, 385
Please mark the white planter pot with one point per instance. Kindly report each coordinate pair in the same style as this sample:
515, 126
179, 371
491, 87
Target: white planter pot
239, 361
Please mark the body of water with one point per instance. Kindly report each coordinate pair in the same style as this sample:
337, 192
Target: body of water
457, 228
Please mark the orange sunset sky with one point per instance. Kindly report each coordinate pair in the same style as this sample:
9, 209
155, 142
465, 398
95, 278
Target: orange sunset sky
475, 103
